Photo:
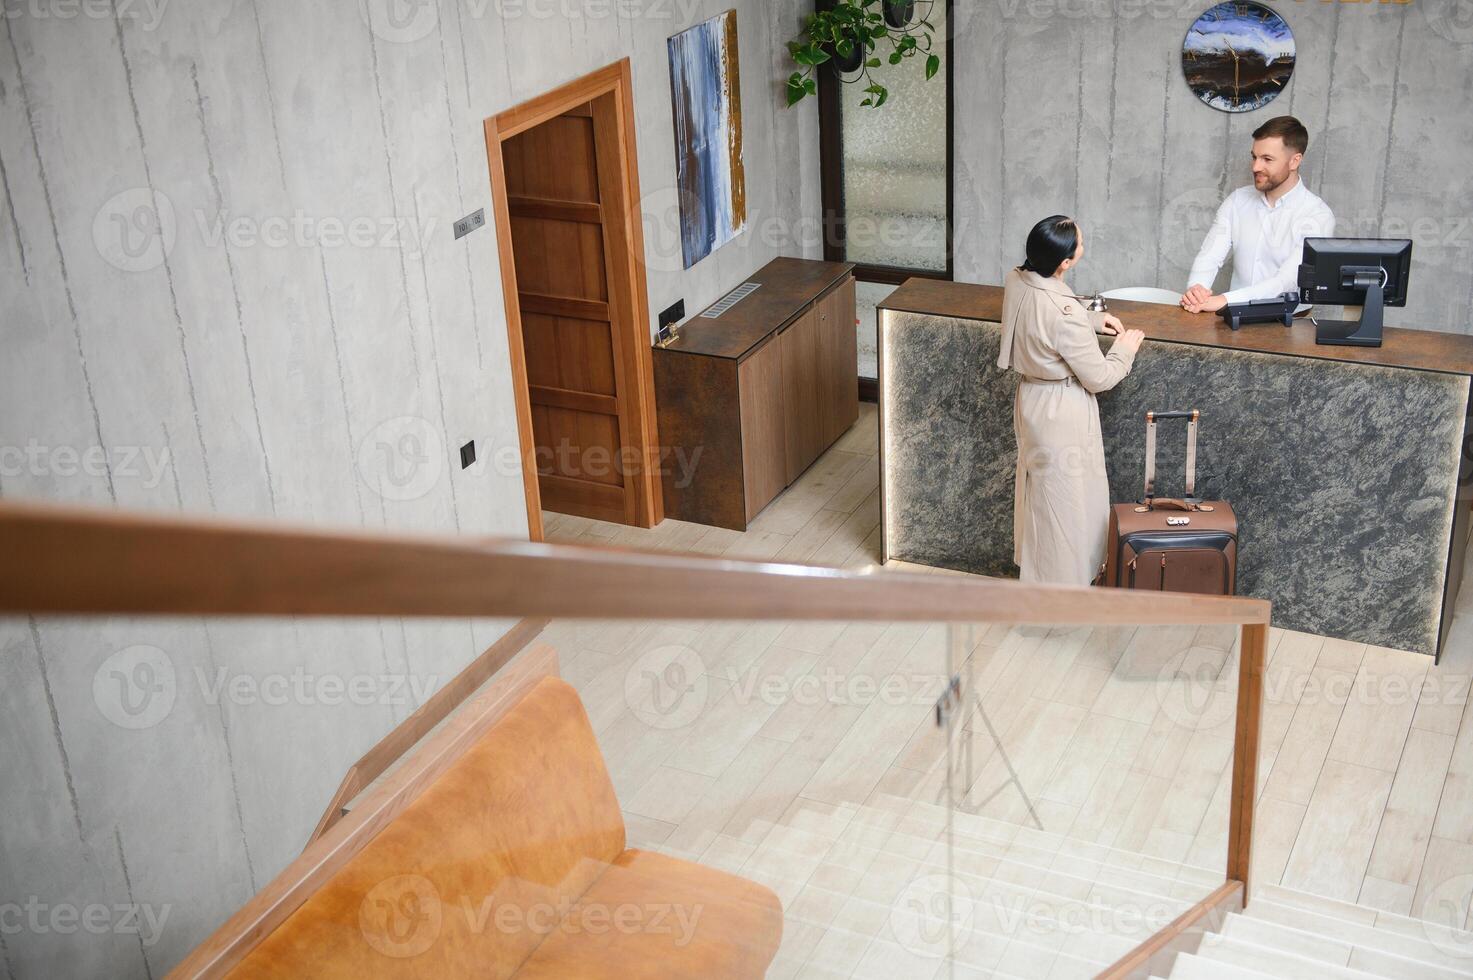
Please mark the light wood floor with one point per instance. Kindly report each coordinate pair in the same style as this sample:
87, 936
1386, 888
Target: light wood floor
777, 750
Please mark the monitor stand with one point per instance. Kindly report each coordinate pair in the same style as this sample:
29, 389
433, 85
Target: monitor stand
1365, 332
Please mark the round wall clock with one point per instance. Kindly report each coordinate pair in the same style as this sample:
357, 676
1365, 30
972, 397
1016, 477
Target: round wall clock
1238, 56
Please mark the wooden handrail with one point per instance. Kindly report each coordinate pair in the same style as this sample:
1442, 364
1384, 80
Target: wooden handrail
79, 561
1144, 960
1252, 659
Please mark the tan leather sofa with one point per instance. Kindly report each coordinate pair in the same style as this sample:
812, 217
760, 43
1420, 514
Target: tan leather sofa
513, 864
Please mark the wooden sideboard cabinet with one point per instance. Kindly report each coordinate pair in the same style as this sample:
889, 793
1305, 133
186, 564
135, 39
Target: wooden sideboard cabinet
749, 399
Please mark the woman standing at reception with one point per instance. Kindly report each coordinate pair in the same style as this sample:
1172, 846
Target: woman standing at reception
1061, 509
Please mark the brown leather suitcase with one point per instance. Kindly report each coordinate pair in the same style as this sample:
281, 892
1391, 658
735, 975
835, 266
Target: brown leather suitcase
1173, 544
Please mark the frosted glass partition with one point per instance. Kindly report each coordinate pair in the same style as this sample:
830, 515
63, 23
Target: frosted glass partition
894, 161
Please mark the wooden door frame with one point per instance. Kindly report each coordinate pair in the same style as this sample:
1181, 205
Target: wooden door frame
634, 341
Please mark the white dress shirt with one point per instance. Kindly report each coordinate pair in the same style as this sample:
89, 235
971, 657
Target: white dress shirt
1267, 241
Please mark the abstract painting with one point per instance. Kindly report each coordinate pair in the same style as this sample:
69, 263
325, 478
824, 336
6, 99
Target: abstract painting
1238, 56
707, 103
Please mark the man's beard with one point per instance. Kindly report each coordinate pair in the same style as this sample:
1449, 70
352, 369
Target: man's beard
1272, 185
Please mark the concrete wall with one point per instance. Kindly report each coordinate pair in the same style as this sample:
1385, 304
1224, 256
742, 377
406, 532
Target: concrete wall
228, 283
1080, 107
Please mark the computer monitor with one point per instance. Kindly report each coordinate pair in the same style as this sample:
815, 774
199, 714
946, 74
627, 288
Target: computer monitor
1371, 273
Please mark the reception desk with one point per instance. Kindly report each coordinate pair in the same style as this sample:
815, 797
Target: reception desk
1342, 463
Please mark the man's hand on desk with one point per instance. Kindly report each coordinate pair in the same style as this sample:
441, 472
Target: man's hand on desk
1199, 299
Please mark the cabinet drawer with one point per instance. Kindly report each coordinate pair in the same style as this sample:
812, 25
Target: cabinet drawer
802, 414
764, 446
838, 362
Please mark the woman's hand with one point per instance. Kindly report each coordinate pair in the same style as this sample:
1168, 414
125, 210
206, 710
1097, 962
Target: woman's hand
1113, 325
1130, 340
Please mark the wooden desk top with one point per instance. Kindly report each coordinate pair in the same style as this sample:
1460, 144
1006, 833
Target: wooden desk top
788, 285
1425, 350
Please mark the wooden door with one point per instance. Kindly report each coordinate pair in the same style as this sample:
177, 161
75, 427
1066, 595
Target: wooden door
568, 244
764, 441
838, 361
802, 426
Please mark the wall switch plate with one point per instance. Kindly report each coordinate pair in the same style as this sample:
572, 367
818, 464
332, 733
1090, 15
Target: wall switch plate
672, 314
470, 223
467, 454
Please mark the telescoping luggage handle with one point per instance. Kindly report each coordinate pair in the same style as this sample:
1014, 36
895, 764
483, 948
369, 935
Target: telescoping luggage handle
1151, 418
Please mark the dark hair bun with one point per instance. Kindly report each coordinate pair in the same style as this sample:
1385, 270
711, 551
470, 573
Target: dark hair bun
1051, 241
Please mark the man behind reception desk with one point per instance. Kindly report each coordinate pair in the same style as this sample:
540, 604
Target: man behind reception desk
1264, 226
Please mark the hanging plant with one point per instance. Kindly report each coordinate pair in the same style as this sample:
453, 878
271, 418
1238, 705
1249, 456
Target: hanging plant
848, 37
899, 12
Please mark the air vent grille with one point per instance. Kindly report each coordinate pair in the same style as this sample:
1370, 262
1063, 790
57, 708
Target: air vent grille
731, 299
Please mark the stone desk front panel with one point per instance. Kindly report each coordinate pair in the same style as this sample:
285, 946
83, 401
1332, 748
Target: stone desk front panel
1343, 475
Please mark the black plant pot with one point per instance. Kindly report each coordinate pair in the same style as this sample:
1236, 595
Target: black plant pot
846, 65
898, 13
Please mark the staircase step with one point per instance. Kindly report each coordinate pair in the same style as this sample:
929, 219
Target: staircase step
1018, 927
1038, 894
1139, 873
1273, 961
1079, 878
1365, 937
1079, 867
978, 954
974, 825
1335, 952
1385, 921
1064, 877
1190, 967
1359, 914
1381, 964
1009, 909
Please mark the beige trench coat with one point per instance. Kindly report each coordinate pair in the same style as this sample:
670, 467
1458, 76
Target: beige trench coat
1061, 509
